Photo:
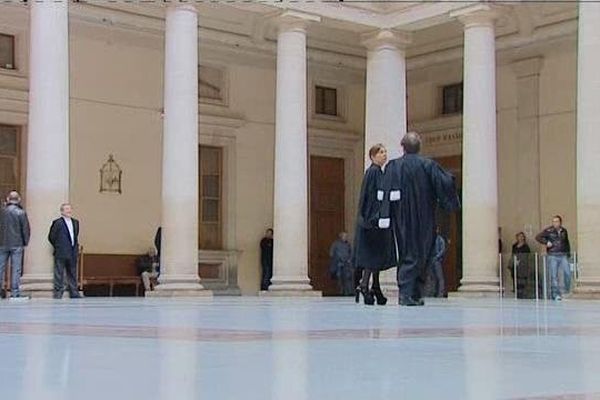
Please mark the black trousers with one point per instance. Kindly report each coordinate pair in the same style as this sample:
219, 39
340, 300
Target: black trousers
65, 268
410, 279
267, 275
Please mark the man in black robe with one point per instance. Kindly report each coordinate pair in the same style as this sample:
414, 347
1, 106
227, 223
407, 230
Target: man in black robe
422, 185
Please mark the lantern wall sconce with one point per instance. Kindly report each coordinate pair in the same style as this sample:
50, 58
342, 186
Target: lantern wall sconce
110, 176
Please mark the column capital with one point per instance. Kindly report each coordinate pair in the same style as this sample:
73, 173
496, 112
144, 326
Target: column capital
528, 67
478, 15
386, 38
294, 21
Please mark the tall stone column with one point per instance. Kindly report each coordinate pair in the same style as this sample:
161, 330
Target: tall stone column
480, 174
290, 258
48, 137
588, 150
385, 113
179, 253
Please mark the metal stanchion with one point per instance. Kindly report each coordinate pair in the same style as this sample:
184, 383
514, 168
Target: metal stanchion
500, 275
537, 277
515, 276
545, 269
575, 268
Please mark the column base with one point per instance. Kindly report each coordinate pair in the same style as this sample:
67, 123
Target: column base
37, 286
586, 290
480, 288
290, 287
177, 292
179, 286
290, 293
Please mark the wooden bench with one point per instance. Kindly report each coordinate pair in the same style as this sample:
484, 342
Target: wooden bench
97, 270
110, 270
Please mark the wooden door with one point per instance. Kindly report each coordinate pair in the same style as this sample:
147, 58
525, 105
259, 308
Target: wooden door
326, 218
451, 225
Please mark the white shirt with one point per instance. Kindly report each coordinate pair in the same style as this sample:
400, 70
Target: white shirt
69, 223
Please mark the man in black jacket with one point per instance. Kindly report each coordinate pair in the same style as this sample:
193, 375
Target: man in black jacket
63, 236
266, 259
558, 248
14, 237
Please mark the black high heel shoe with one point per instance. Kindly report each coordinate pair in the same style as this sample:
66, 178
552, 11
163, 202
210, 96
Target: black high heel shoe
381, 299
357, 295
367, 296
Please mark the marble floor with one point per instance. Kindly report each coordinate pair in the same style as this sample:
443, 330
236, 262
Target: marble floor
298, 349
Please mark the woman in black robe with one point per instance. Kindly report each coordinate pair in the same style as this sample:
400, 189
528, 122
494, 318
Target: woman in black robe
520, 261
373, 243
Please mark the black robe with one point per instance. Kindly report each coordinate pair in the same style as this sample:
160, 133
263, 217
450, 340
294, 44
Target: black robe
421, 184
373, 244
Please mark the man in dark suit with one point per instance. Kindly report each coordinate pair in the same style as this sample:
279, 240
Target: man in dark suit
63, 236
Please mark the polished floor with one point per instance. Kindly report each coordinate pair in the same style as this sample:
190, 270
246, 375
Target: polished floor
298, 349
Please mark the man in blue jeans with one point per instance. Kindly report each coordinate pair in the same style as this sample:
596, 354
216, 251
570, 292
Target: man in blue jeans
437, 263
14, 237
558, 248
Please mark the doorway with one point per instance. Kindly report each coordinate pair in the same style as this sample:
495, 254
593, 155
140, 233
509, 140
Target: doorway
327, 215
451, 224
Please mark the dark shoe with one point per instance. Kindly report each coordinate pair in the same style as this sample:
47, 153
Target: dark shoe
357, 295
410, 302
381, 299
367, 296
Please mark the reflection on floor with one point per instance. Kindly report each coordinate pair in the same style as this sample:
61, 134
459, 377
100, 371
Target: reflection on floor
298, 349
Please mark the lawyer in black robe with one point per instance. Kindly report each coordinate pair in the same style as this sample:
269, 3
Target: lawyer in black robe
373, 242
417, 185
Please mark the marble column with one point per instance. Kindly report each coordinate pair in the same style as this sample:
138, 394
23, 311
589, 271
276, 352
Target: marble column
588, 150
480, 174
179, 253
290, 258
47, 184
385, 108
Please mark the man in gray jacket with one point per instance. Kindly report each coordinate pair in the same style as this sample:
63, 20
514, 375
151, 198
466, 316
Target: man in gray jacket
14, 236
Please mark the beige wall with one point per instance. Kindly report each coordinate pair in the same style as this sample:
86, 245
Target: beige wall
116, 97
116, 91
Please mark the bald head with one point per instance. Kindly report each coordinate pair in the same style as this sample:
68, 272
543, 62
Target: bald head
13, 197
411, 143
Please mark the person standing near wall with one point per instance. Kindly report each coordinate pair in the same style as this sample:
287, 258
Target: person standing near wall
266, 259
437, 265
340, 267
64, 237
558, 248
14, 237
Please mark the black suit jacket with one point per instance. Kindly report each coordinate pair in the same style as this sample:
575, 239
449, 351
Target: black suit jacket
60, 238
